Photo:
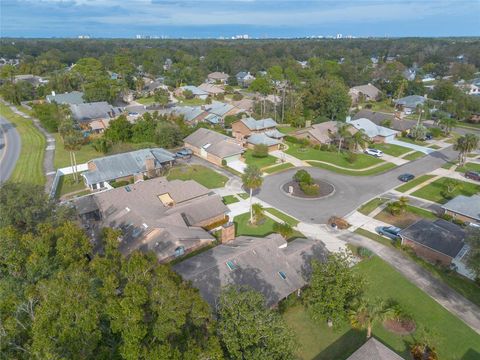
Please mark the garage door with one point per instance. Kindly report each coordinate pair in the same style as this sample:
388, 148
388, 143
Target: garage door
232, 158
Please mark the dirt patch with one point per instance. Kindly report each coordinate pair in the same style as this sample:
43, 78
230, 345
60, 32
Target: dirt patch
400, 326
402, 220
324, 189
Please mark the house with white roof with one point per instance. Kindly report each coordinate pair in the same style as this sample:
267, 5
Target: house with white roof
196, 91
376, 133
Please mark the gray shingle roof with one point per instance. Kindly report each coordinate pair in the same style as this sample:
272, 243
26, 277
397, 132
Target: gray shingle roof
371, 129
257, 139
411, 101
374, 350
218, 76
368, 90
257, 263
465, 205
256, 125
379, 117
74, 97
125, 164
214, 143
219, 108
95, 110
190, 113
439, 235
195, 90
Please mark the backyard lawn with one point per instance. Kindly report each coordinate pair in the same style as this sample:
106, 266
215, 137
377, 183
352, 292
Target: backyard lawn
146, 100
317, 341
201, 174
230, 199
468, 167
376, 170
261, 162
242, 227
286, 129
367, 208
411, 184
433, 191
392, 149
277, 168
67, 185
332, 157
62, 156
414, 156
29, 167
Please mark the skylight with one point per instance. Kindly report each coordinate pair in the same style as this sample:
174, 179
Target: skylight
231, 265
282, 275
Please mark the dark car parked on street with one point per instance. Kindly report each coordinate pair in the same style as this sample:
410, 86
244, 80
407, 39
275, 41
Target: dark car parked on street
474, 175
406, 177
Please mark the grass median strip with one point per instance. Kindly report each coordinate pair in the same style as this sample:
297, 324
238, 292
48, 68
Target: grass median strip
284, 217
435, 190
367, 208
230, 199
414, 156
468, 167
29, 167
275, 169
415, 182
376, 170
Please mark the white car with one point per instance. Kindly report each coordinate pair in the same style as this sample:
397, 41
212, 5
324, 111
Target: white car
374, 152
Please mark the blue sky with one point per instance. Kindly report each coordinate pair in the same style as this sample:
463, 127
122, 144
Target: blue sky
258, 18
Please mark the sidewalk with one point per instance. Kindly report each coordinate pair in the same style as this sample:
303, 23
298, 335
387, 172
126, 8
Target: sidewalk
289, 158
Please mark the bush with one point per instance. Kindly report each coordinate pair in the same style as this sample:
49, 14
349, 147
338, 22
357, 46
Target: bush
260, 151
458, 222
237, 97
309, 189
364, 252
302, 176
290, 301
220, 97
352, 157
436, 132
324, 147
447, 217
224, 162
316, 147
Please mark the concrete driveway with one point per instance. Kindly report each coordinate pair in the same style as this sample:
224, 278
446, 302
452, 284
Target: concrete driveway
415, 147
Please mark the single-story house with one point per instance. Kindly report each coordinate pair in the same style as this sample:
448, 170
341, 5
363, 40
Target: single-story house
191, 114
244, 105
87, 112
211, 89
439, 241
197, 92
368, 92
318, 133
244, 78
409, 103
381, 119
262, 139
217, 78
375, 133
68, 98
374, 350
269, 265
136, 164
152, 85
32, 79
217, 111
213, 146
166, 217
464, 208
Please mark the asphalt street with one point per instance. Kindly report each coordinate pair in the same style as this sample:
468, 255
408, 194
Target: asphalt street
350, 191
10, 145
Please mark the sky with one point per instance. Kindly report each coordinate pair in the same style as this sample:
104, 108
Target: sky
227, 18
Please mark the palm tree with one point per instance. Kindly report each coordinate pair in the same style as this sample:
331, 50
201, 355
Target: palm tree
366, 313
257, 210
465, 145
402, 203
72, 143
342, 133
359, 140
447, 124
252, 179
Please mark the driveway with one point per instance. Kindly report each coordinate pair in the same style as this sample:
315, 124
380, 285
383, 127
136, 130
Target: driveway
237, 165
10, 146
350, 191
464, 309
415, 147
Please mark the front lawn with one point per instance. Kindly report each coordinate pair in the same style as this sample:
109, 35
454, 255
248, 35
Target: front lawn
468, 167
29, 166
450, 336
376, 170
367, 208
192, 102
332, 157
243, 227
146, 100
278, 168
411, 215
201, 174
433, 191
261, 162
415, 182
230, 199
414, 156
412, 141
392, 149
244, 196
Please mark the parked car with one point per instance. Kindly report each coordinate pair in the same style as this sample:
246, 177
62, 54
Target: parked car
184, 153
389, 231
474, 175
406, 177
373, 152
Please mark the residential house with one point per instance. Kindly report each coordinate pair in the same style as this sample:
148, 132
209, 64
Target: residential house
375, 133
254, 132
197, 92
428, 78
269, 265
464, 208
217, 111
322, 133
86, 113
211, 89
68, 98
438, 241
214, 147
244, 79
152, 85
244, 105
217, 78
192, 115
409, 103
167, 65
471, 88
303, 64
31, 79
409, 74
385, 119
374, 350
126, 166
364, 92
165, 217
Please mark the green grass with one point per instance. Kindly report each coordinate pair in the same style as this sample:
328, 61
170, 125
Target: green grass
433, 191
468, 167
435, 147
146, 100
67, 185
332, 157
450, 336
242, 227
192, 102
412, 141
426, 214
201, 174
467, 125
367, 208
374, 171
278, 168
448, 165
62, 157
415, 182
244, 196
284, 217
411, 215
392, 149
375, 237
261, 162
414, 156
286, 129
230, 199
29, 166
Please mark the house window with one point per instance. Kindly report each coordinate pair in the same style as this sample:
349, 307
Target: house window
94, 186
231, 266
282, 275
179, 251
